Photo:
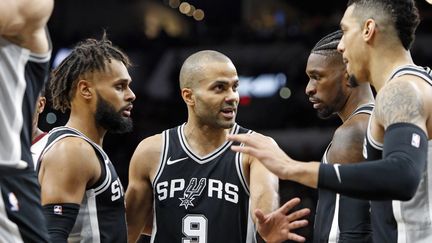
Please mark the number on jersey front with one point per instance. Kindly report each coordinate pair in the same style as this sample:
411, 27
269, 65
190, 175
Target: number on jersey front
194, 228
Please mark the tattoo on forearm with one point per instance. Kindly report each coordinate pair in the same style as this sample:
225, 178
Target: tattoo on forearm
399, 102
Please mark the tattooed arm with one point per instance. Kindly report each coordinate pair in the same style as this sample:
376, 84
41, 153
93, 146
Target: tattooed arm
400, 101
401, 111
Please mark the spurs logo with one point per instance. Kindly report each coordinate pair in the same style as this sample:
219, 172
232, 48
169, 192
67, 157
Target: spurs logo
193, 190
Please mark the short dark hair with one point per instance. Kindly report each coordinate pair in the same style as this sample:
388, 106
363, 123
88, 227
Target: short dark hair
88, 56
328, 44
403, 13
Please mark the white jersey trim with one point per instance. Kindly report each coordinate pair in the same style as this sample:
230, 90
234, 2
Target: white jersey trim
209, 157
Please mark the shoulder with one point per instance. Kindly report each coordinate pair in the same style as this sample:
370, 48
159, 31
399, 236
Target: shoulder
150, 145
401, 100
347, 142
147, 155
73, 154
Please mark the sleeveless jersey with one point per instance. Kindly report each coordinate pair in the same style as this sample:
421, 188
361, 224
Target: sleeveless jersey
101, 216
200, 199
403, 221
339, 218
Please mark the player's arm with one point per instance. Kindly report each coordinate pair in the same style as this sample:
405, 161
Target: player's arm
400, 109
67, 169
273, 224
139, 194
23, 21
264, 187
395, 176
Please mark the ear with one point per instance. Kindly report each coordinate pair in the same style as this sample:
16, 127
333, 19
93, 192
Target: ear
188, 96
369, 29
85, 89
40, 106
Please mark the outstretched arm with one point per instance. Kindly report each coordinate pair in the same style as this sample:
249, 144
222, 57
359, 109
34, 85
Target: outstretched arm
395, 176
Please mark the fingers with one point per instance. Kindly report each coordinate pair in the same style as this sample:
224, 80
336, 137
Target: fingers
299, 214
296, 237
259, 216
289, 205
298, 224
241, 138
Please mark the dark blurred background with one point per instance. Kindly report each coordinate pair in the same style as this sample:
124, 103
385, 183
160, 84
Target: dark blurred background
268, 41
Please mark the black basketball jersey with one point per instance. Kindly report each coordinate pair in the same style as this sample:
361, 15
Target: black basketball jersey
101, 216
340, 218
403, 221
200, 199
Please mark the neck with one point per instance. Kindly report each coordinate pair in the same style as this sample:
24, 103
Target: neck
36, 133
359, 96
204, 139
383, 63
86, 124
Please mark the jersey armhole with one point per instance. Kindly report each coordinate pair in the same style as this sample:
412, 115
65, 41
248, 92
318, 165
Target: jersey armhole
163, 155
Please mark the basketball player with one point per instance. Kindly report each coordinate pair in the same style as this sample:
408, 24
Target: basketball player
375, 46
196, 187
339, 218
82, 196
25, 51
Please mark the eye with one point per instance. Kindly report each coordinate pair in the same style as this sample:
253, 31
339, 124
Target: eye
235, 87
119, 87
219, 87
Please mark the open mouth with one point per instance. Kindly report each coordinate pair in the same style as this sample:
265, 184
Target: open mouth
127, 111
228, 112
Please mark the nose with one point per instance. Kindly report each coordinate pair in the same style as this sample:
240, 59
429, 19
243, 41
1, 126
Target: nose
130, 95
310, 87
232, 96
341, 46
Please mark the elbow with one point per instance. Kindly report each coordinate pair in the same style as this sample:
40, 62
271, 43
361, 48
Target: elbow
408, 186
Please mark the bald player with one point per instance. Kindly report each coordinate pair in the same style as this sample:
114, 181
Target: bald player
198, 189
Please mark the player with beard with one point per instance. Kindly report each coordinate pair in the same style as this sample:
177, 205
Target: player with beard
339, 218
82, 196
376, 42
198, 189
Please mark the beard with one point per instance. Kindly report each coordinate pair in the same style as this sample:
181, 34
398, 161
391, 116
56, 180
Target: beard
327, 111
107, 117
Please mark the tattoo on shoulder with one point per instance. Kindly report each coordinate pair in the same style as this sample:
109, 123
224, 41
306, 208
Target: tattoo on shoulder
399, 102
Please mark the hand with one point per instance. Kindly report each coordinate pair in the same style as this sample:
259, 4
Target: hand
266, 150
277, 226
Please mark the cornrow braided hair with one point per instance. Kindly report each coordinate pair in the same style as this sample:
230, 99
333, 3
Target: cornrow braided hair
328, 44
88, 56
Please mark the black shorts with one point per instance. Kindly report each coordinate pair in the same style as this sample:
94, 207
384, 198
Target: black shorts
21, 217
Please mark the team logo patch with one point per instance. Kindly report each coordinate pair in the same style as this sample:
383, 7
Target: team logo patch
193, 190
14, 206
58, 209
415, 140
